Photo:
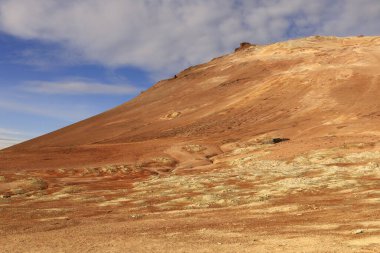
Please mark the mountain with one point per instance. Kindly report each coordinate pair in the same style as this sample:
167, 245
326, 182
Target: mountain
304, 88
282, 137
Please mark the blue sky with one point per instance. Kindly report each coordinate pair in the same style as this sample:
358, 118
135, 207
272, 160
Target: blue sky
33, 97
63, 61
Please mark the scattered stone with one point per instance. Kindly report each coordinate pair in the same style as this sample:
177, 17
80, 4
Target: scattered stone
277, 140
358, 231
109, 169
136, 216
61, 171
159, 162
194, 148
264, 197
273, 140
6, 195
173, 115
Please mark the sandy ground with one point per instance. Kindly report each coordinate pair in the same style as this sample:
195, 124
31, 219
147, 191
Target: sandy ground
323, 200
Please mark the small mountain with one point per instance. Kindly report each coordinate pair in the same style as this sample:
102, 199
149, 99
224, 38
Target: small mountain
298, 89
272, 148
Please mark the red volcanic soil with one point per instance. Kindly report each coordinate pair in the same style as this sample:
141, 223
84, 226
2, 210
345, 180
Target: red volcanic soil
270, 148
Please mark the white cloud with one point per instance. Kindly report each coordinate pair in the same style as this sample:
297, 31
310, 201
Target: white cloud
9, 137
4, 143
168, 35
66, 112
9, 131
78, 88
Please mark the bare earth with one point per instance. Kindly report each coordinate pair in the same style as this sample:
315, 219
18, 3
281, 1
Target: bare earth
193, 164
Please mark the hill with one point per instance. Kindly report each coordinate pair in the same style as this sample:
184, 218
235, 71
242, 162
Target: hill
279, 143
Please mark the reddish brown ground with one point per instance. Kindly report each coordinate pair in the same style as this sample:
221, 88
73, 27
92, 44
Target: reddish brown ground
188, 165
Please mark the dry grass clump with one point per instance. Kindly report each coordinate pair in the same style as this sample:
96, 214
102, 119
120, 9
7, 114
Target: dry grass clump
194, 148
70, 189
38, 183
24, 186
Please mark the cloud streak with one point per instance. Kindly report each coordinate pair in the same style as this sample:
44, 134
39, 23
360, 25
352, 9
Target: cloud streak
168, 35
9, 137
66, 112
78, 88
4, 143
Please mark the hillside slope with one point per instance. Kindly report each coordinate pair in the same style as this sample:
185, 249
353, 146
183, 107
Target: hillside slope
317, 86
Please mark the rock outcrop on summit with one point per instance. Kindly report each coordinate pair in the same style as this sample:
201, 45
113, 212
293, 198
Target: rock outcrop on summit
269, 148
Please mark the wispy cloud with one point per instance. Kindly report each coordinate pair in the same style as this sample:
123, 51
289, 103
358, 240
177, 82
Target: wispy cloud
64, 112
171, 34
9, 137
79, 88
48, 56
4, 143
9, 131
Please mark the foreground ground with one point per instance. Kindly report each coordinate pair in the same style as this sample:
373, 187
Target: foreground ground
310, 195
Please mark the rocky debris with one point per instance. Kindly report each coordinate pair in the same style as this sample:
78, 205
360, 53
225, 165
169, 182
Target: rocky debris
172, 115
161, 161
107, 169
6, 195
112, 169
61, 171
26, 186
34, 184
273, 140
358, 231
136, 216
263, 197
194, 148
278, 140
243, 45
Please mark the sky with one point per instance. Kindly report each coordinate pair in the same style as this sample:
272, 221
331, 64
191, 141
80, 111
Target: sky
64, 61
